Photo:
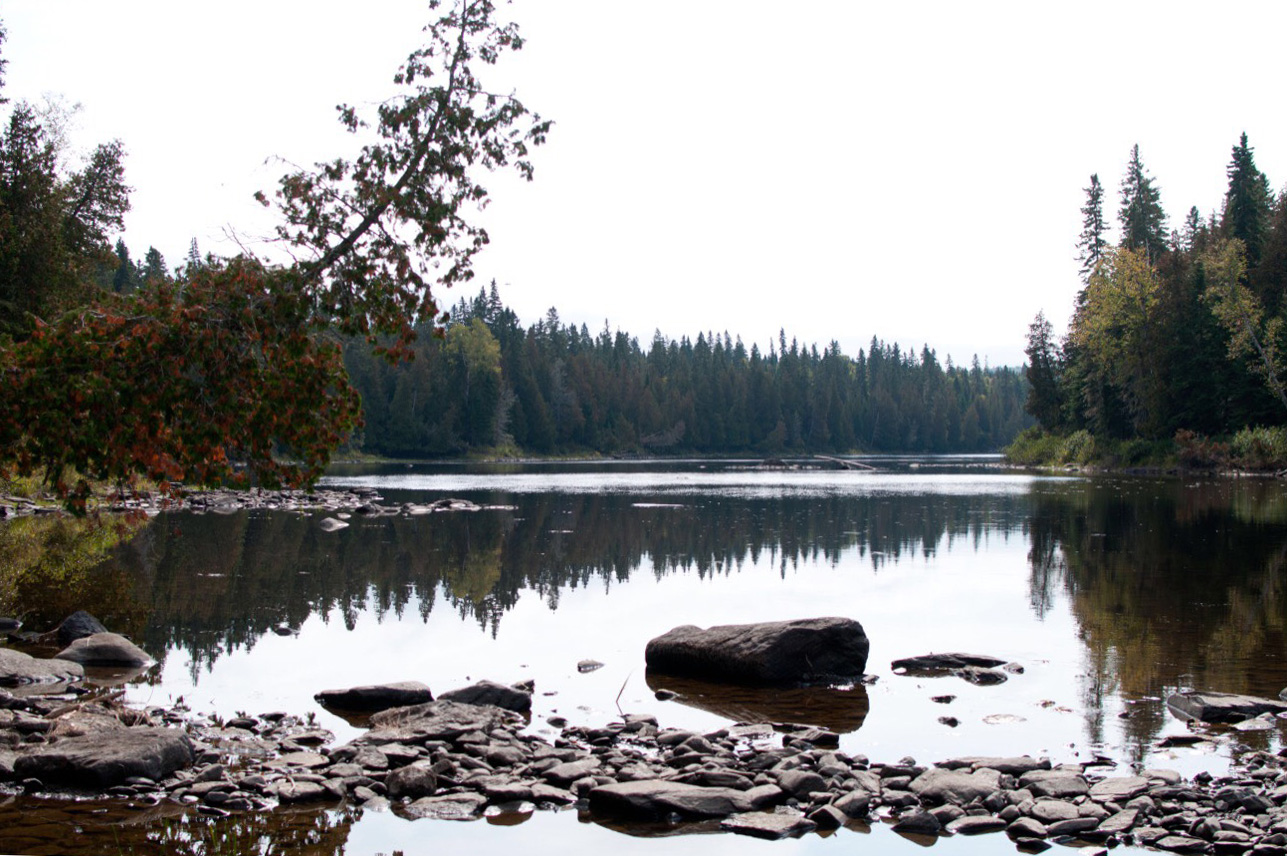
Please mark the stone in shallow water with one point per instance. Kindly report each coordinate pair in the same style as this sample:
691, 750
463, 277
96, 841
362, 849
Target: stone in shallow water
765, 824
19, 669
771, 653
376, 697
490, 692
937, 785
1221, 707
105, 649
108, 758
1118, 789
446, 807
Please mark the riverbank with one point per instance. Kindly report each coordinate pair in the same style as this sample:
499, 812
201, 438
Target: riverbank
448, 760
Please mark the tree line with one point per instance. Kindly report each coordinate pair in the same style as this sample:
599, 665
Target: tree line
1175, 331
551, 387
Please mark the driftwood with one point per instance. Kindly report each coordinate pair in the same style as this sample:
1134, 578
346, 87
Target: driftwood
846, 464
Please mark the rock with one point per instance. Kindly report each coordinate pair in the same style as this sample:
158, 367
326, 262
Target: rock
945, 663
78, 625
330, 524
980, 677
828, 817
1119, 823
376, 697
105, 649
489, 692
918, 823
1051, 811
588, 665
801, 783
1182, 844
568, 772
937, 785
1026, 827
1013, 766
772, 653
1058, 784
657, 798
418, 779
108, 758
301, 792
765, 824
9, 625
436, 720
1221, 707
976, 824
19, 669
447, 807
1118, 789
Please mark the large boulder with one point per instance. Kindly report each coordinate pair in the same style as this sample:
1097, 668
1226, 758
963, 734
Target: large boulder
1222, 707
78, 625
938, 786
490, 692
376, 697
810, 650
19, 669
658, 798
107, 758
105, 649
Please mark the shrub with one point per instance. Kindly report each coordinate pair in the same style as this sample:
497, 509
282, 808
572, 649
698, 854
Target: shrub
1260, 448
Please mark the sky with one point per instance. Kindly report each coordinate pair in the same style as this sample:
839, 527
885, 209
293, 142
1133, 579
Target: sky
839, 170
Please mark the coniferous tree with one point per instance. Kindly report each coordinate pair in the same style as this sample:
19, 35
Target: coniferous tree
1091, 243
1141, 217
1248, 203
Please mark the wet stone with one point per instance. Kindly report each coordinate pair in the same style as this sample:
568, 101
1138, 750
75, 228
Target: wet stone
768, 825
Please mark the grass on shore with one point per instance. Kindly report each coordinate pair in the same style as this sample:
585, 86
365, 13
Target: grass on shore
1253, 449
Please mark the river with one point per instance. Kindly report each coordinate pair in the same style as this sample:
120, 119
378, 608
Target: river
1108, 593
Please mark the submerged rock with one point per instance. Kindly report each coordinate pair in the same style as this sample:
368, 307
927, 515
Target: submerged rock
19, 669
772, 653
1222, 707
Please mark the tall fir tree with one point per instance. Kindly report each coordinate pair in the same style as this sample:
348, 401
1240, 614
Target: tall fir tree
1141, 217
1091, 243
1248, 202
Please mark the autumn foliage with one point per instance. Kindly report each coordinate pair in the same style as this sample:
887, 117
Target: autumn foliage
218, 379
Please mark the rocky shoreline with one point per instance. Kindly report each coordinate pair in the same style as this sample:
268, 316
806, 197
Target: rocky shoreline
455, 760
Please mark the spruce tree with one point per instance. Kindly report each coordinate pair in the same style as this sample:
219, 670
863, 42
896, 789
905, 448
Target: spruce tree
1141, 217
1248, 203
1091, 243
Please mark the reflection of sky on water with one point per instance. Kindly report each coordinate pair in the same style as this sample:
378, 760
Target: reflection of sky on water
926, 561
967, 592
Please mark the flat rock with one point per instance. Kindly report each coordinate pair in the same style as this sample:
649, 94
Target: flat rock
767, 824
446, 807
105, 649
657, 798
1119, 823
301, 792
490, 692
436, 720
771, 653
946, 663
19, 669
937, 785
106, 758
1222, 707
1058, 784
568, 772
376, 697
1012, 766
976, 824
1118, 789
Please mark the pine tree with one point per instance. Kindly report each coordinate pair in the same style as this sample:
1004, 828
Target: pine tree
123, 280
1248, 202
1141, 217
1091, 243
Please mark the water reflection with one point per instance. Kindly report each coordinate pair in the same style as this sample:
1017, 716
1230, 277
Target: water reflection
1173, 586
837, 709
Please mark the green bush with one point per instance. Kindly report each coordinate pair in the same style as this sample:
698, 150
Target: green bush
1260, 448
1033, 447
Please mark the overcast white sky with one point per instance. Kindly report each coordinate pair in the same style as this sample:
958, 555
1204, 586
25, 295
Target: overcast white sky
840, 169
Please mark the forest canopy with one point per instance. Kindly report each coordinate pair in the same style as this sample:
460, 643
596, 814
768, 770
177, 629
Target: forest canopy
1175, 331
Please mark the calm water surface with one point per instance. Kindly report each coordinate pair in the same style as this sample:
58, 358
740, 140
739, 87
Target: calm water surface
1109, 592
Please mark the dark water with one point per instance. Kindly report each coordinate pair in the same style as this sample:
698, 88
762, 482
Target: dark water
1110, 592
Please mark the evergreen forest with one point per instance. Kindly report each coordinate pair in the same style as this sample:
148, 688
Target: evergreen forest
554, 388
1176, 334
